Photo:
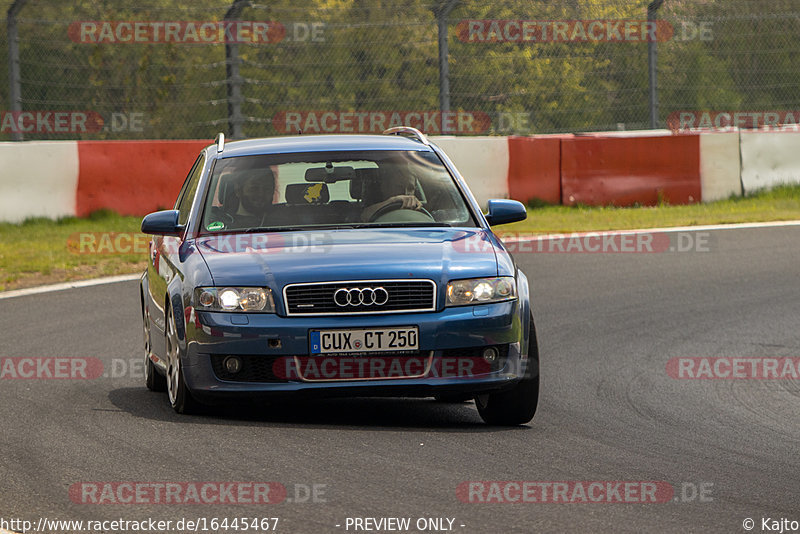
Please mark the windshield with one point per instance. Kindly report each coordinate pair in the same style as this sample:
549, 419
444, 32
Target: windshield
333, 190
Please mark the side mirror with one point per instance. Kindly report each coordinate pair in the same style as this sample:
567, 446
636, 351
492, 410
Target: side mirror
162, 223
505, 211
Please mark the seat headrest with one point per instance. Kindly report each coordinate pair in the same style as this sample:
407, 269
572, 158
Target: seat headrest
363, 178
227, 194
228, 182
307, 193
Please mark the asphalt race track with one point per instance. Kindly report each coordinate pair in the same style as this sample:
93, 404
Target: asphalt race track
607, 325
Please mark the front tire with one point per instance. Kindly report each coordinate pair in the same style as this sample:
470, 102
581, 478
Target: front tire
180, 398
517, 405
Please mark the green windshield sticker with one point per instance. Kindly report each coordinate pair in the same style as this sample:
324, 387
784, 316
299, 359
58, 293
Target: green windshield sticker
217, 225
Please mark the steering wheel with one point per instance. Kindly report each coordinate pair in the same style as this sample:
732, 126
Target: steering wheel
392, 206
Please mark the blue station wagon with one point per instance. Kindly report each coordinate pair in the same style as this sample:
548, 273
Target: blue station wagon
336, 265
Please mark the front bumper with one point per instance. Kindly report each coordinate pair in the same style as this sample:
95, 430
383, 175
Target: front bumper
441, 335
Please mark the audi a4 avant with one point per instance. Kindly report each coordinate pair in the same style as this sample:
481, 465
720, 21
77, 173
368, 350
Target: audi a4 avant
342, 265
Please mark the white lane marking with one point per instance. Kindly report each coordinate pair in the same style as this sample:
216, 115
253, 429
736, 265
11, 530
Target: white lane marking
69, 285
530, 236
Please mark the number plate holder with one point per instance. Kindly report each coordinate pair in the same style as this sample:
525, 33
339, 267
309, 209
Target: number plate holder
364, 340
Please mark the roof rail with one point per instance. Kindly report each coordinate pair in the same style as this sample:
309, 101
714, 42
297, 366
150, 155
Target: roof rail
220, 141
408, 130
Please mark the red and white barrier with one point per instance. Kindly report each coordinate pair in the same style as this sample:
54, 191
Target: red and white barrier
601, 170
625, 168
482, 161
534, 168
132, 177
38, 179
769, 159
720, 166
74, 178
60, 178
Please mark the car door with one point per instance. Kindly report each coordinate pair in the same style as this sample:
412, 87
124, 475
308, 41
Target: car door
164, 259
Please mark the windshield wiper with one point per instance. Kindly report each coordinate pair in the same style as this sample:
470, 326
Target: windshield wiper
265, 229
343, 226
403, 225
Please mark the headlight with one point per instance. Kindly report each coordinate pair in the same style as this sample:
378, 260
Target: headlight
481, 290
234, 299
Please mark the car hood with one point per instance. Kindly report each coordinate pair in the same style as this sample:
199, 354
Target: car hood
278, 259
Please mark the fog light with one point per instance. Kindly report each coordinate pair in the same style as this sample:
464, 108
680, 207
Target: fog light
233, 364
490, 354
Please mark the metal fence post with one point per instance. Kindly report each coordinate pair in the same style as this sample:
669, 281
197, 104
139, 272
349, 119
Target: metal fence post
234, 80
652, 55
15, 86
441, 12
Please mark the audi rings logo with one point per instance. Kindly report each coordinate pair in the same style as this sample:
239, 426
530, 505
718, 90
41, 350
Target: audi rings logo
361, 296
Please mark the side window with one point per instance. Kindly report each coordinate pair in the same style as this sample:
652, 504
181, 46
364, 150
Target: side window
186, 181
184, 204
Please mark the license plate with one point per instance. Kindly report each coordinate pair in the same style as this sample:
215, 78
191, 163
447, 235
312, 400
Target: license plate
364, 340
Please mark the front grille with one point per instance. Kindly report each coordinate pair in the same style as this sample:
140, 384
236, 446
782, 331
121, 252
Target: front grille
318, 299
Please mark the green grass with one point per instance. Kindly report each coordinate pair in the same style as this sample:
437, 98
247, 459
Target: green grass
779, 204
41, 251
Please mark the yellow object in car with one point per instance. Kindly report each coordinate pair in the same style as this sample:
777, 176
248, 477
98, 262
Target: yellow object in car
313, 193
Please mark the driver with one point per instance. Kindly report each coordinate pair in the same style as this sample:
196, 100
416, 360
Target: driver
401, 191
254, 189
